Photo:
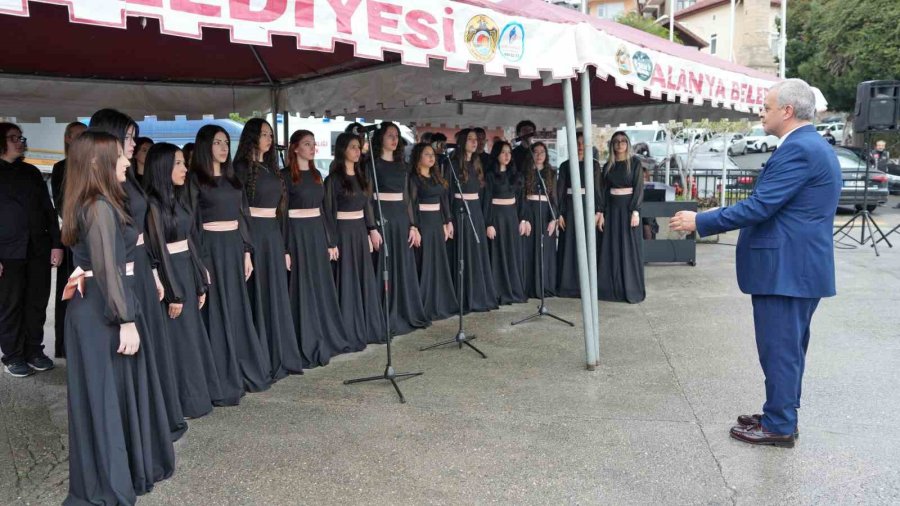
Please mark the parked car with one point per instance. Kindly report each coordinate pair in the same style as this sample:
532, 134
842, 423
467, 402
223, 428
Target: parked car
757, 140
737, 145
658, 150
836, 129
853, 186
645, 133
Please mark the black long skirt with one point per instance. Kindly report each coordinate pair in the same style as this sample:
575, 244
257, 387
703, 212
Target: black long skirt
435, 272
567, 284
478, 293
195, 369
358, 288
620, 272
314, 301
405, 299
119, 438
506, 255
157, 341
538, 214
241, 354
269, 295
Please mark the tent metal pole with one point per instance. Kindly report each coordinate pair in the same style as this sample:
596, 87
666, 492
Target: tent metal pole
578, 212
287, 129
274, 92
590, 228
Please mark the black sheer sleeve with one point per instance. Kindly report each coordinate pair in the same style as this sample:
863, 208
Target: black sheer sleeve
104, 239
369, 214
446, 214
411, 212
599, 190
637, 196
201, 274
244, 223
159, 253
562, 188
329, 206
486, 197
193, 205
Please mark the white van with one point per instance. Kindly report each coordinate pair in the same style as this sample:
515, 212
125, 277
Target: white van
759, 141
645, 133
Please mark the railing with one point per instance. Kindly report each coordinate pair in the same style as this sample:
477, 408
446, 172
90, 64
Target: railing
707, 184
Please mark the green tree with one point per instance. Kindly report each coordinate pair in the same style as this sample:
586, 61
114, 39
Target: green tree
836, 44
635, 20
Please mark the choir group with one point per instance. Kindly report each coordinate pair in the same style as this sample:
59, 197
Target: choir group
196, 275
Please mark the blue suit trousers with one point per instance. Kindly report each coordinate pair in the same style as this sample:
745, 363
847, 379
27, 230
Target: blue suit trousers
782, 337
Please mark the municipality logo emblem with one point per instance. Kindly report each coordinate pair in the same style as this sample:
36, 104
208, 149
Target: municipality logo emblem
512, 42
481, 37
643, 65
623, 61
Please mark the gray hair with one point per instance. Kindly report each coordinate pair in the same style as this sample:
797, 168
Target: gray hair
799, 95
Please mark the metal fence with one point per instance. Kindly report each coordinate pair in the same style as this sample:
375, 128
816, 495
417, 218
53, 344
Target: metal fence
707, 185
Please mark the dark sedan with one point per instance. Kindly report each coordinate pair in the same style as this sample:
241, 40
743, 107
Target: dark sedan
853, 174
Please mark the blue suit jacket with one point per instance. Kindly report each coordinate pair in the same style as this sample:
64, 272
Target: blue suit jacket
785, 246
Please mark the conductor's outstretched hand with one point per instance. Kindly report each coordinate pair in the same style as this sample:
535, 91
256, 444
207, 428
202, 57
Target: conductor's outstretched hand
684, 221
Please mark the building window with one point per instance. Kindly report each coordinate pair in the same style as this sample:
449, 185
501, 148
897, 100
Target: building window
684, 4
712, 43
611, 10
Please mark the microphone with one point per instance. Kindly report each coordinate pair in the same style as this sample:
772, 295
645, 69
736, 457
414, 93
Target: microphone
281, 147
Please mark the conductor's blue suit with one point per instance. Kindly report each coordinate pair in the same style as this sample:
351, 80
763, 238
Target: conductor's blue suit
785, 260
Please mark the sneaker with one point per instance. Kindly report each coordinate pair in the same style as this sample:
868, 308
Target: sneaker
41, 363
19, 369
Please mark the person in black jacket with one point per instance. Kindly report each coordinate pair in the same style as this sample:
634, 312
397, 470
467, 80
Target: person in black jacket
29, 246
65, 268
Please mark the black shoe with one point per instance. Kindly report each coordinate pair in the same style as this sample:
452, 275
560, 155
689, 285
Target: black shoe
758, 435
746, 420
19, 369
41, 363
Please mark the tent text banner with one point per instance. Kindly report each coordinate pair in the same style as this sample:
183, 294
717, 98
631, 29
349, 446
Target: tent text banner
458, 33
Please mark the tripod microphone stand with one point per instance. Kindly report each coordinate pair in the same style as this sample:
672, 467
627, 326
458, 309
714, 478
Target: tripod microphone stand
542, 309
461, 338
389, 373
863, 214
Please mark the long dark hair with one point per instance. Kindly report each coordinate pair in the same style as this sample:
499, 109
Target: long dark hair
91, 174
248, 151
496, 149
158, 169
294, 162
116, 124
202, 160
460, 158
531, 184
339, 164
417, 152
188, 150
378, 142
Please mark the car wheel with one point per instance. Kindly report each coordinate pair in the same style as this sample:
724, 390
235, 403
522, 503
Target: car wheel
744, 151
871, 207
730, 152
764, 148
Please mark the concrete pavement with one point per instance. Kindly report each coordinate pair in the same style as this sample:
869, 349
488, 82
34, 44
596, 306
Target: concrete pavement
529, 425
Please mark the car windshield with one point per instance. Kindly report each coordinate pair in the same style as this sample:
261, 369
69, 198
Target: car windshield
757, 132
657, 149
849, 160
821, 127
637, 136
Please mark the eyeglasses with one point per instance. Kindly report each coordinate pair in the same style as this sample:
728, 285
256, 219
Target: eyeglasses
17, 138
620, 141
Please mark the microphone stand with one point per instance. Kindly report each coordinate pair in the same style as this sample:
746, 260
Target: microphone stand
542, 309
461, 338
389, 373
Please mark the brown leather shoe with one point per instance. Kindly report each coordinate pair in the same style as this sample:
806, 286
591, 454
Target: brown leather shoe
757, 419
756, 435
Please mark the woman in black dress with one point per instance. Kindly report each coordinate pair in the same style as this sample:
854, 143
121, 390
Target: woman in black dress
567, 284
348, 204
171, 236
401, 233
256, 166
506, 224
543, 226
119, 438
312, 244
149, 289
220, 212
620, 272
477, 292
429, 197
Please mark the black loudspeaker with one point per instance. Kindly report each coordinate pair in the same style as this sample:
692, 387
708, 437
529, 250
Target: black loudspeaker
877, 106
